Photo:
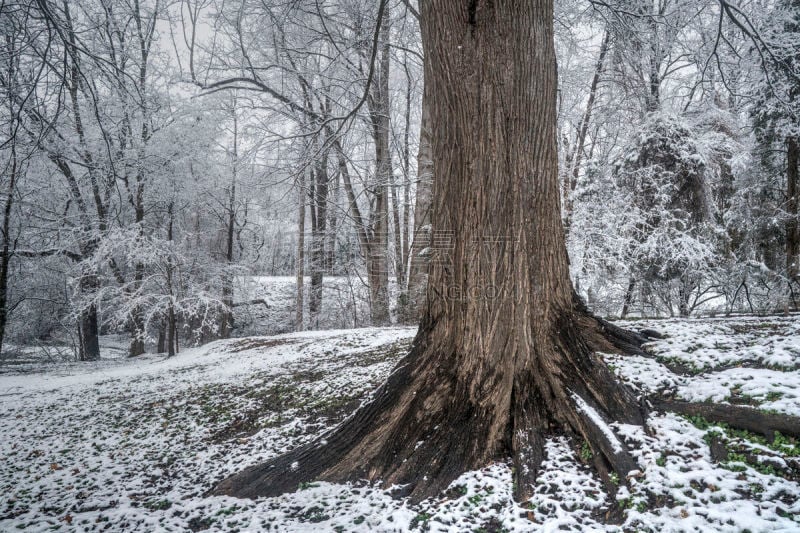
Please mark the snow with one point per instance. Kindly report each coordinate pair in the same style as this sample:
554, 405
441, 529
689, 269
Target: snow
133, 445
598, 421
714, 342
742, 360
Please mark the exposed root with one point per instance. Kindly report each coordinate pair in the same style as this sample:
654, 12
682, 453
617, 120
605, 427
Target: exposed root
529, 428
307, 463
428, 423
627, 342
609, 454
736, 416
623, 340
433, 419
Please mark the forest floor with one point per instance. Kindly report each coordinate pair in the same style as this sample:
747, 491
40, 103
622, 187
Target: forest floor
133, 445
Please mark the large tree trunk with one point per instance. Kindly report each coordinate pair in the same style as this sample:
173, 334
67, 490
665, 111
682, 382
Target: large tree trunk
505, 352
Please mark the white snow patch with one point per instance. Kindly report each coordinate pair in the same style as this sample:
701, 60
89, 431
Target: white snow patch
598, 421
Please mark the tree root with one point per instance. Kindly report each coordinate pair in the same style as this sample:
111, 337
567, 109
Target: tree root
736, 416
433, 420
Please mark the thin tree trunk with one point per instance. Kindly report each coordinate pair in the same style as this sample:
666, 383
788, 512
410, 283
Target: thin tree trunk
330, 249
171, 340
580, 142
402, 226
792, 230
684, 295
628, 299
226, 320
145, 39
399, 264
137, 319
319, 219
300, 264
653, 97
377, 263
90, 342
5, 259
161, 342
406, 179
422, 240
137, 346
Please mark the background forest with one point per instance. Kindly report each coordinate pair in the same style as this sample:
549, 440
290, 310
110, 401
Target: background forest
176, 171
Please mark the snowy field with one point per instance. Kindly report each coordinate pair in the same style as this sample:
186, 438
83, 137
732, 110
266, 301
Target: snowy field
133, 445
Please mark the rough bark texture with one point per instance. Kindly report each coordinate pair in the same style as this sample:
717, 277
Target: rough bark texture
7, 249
300, 269
421, 242
505, 352
792, 231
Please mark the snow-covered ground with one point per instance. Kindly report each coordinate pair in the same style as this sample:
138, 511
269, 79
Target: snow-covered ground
133, 445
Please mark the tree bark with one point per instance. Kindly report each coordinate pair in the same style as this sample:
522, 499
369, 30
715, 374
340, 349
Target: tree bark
319, 220
7, 250
628, 298
226, 318
300, 264
397, 231
737, 416
421, 242
406, 238
89, 335
146, 39
792, 229
505, 351
171, 339
583, 130
377, 262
